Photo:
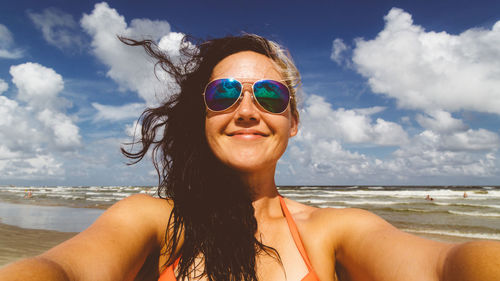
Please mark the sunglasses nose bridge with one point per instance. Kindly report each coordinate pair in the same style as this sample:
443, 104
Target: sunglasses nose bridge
246, 97
246, 87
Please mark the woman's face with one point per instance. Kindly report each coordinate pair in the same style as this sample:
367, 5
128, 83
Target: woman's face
246, 137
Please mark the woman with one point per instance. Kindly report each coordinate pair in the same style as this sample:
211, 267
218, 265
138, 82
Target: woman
215, 145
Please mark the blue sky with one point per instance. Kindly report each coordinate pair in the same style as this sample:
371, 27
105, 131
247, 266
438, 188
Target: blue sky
394, 92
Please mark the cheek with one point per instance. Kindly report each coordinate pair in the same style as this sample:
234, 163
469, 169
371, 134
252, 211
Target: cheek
210, 124
209, 132
214, 126
281, 125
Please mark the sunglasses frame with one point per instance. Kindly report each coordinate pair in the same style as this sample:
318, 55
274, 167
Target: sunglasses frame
253, 94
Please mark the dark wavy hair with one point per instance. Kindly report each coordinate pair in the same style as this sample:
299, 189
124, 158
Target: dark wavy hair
212, 216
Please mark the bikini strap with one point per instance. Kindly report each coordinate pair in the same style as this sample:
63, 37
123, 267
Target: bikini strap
295, 233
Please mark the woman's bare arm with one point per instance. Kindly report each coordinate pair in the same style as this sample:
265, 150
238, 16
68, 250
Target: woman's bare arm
478, 261
369, 248
114, 247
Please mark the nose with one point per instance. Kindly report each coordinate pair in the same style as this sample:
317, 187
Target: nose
247, 109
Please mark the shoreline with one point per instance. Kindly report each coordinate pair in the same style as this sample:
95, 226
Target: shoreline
34, 201
57, 218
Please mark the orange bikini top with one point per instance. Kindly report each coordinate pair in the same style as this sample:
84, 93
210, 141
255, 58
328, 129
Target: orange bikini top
169, 275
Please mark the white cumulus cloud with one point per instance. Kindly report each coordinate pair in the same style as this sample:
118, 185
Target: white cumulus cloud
430, 70
452, 134
34, 128
24, 152
58, 28
129, 66
7, 50
65, 132
118, 113
134, 130
340, 52
37, 167
325, 159
3, 86
480, 139
38, 85
439, 75
318, 118
319, 150
328, 140
440, 121
16, 128
432, 154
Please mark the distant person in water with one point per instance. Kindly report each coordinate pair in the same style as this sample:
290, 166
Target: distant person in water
216, 143
428, 197
28, 194
465, 195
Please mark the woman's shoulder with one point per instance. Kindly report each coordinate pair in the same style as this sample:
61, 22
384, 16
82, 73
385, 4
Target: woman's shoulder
141, 209
344, 214
142, 205
323, 230
346, 221
145, 201
335, 223
311, 214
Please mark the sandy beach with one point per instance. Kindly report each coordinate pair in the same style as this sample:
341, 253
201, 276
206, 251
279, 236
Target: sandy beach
17, 243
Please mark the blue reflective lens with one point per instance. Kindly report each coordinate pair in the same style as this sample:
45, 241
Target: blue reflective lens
222, 93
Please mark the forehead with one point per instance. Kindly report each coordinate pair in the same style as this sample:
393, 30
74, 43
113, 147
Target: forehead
246, 65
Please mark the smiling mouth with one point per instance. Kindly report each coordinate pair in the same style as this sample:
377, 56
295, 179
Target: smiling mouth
249, 134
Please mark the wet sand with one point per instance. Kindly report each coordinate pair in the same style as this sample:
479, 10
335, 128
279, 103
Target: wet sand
17, 243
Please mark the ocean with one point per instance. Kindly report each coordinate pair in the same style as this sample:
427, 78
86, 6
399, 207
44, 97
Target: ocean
456, 212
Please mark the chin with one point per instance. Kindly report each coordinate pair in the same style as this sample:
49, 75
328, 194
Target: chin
247, 160
245, 168
249, 166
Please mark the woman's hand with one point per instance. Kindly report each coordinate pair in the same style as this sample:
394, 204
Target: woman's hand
114, 247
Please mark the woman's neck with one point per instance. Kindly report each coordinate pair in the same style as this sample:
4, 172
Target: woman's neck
260, 183
264, 193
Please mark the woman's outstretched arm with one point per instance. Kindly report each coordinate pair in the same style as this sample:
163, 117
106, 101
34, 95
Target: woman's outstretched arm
478, 261
369, 248
114, 247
